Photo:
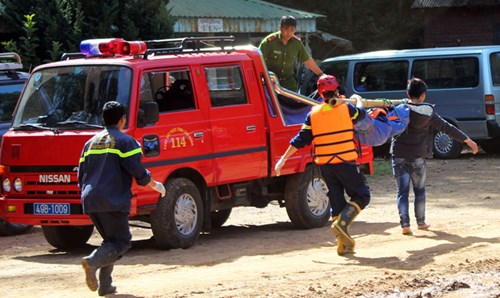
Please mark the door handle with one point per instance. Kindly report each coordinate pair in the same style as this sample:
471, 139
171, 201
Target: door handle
198, 134
251, 128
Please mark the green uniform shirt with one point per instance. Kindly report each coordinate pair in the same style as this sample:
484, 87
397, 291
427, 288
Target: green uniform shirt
281, 58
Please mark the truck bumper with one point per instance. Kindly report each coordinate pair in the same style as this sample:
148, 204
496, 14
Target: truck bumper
21, 212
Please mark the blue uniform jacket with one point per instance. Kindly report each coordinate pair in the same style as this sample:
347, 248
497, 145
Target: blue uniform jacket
108, 163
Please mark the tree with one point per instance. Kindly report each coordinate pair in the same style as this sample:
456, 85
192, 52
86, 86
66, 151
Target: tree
66, 22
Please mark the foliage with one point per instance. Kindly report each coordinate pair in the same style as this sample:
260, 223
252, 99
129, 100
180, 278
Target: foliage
29, 43
67, 22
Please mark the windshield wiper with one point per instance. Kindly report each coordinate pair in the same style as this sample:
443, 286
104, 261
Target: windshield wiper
29, 126
77, 124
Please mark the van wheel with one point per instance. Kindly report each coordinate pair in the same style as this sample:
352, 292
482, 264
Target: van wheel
219, 217
64, 237
445, 147
306, 201
178, 218
491, 146
10, 228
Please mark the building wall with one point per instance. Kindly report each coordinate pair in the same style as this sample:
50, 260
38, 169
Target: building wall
462, 26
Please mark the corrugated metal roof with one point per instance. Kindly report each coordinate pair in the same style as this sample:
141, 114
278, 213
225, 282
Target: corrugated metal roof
453, 3
254, 9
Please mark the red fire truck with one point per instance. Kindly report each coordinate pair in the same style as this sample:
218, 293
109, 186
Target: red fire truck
209, 121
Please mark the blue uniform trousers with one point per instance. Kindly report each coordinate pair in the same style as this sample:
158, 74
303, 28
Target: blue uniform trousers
345, 177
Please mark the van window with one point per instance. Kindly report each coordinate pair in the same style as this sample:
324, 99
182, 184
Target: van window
226, 87
380, 76
495, 68
337, 69
448, 72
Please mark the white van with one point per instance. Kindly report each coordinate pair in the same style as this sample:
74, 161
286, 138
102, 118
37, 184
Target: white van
463, 82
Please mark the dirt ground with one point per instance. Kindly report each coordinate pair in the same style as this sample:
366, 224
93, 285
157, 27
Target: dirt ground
258, 253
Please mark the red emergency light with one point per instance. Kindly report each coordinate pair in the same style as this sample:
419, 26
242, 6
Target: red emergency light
112, 47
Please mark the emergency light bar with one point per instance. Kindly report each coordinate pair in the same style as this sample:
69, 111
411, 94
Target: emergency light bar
112, 47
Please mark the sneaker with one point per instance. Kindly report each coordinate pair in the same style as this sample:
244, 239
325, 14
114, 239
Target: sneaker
424, 227
407, 231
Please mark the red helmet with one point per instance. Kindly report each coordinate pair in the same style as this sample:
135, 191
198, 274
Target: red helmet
327, 83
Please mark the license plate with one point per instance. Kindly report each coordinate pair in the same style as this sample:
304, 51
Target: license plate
51, 208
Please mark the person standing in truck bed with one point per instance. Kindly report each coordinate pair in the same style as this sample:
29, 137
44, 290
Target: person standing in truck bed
282, 49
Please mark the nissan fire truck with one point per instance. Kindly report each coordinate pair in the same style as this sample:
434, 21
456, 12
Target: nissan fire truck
209, 120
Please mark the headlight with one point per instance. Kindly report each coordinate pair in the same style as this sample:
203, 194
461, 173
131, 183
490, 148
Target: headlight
6, 185
18, 185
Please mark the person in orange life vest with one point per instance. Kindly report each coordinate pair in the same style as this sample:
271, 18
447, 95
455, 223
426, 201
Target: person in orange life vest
330, 129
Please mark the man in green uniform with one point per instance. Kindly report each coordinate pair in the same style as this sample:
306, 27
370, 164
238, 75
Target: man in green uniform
282, 49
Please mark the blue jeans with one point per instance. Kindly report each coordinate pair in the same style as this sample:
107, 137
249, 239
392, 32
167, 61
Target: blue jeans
404, 171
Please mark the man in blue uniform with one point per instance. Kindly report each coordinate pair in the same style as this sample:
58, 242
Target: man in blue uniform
282, 49
109, 162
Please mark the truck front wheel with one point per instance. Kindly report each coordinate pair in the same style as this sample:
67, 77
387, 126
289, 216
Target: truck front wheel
306, 201
178, 218
64, 237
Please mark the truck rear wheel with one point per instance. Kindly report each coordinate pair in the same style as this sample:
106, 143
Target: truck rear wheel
10, 229
178, 218
306, 201
67, 236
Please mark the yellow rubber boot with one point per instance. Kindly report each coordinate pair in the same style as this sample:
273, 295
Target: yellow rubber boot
341, 228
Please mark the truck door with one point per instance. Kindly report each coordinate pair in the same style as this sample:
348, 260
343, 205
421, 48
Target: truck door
237, 125
181, 137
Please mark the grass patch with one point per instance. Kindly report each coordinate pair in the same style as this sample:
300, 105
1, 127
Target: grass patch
382, 167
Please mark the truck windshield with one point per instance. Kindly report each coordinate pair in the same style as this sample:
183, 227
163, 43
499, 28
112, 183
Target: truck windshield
71, 97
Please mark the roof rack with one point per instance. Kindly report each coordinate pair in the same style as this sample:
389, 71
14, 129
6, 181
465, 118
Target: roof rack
10, 61
187, 45
70, 56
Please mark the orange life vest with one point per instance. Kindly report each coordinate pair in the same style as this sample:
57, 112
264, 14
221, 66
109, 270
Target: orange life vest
333, 134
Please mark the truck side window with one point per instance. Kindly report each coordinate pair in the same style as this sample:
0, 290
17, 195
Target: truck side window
225, 85
172, 90
380, 76
448, 73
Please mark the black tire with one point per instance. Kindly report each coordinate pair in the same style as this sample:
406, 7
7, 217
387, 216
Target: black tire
491, 146
65, 237
178, 218
306, 201
219, 217
445, 147
11, 229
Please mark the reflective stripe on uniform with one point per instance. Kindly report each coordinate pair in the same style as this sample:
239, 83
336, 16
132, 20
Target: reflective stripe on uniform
112, 151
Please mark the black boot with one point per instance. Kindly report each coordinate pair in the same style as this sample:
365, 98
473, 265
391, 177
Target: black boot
106, 281
100, 257
341, 228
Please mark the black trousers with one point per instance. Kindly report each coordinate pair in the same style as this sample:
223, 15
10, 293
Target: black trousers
345, 177
114, 230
